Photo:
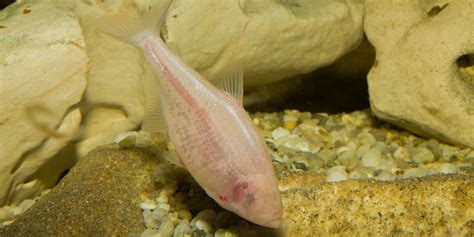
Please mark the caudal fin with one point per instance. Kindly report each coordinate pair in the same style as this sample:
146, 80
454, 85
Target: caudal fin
129, 29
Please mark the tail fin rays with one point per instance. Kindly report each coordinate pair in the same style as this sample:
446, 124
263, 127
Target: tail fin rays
130, 29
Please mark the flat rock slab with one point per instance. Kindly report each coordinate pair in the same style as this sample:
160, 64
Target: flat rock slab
438, 205
99, 197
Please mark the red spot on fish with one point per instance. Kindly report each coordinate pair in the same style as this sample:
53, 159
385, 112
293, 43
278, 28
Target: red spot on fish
223, 199
238, 191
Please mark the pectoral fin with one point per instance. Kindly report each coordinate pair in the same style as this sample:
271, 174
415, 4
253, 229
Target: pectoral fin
230, 80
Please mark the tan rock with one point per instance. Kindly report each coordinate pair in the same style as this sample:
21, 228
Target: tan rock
272, 39
114, 99
422, 79
43, 75
440, 205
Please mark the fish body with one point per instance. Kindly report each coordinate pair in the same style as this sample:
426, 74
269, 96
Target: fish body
214, 136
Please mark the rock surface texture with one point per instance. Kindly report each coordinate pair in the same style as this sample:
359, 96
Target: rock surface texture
272, 39
43, 74
99, 197
423, 77
434, 206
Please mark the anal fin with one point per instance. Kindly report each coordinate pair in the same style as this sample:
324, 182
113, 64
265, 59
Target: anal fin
154, 120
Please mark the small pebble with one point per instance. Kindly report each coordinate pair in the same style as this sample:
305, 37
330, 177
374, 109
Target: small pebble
184, 214
372, 158
182, 230
337, 173
164, 206
280, 133
147, 205
225, 233
166, 228
162, 199
6, 214
423, 155
26, 204
385, 176
203, 225
417, 172
149, 233
207, 215
448, 168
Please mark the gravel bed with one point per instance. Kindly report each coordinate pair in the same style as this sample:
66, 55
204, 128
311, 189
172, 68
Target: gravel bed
343, 146
354, 146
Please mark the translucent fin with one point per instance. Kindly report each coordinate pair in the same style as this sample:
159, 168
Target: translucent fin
154, 120
130, 29
173, 157
231, 81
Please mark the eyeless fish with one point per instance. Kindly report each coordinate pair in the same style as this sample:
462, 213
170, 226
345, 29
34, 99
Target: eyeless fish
214, 136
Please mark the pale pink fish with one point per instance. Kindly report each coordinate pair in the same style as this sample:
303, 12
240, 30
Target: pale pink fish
213, 135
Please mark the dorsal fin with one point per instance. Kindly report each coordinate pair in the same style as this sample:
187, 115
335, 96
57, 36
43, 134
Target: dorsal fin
230, 80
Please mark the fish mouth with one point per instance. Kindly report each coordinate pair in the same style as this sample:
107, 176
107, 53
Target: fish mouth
273, 223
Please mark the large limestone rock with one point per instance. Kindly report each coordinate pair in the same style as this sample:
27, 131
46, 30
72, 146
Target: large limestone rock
114, 99
43, 75
273, 39
423, 77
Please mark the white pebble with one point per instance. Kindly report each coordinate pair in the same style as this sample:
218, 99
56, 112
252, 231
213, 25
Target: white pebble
279, 133
148, 205
337, 173
417, 172
26, 204
159, 213
184, 214
289, 118
401, 153
385, 176
225, 233
149, 233
166, 228
358, 175
17, 210
162, 199
182, 229
448, 168
164, 206
372, 158
207, 215
203, 225
6, 214
423, 156
362, 150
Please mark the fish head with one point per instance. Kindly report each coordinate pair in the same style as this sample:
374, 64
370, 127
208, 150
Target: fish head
257, 200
